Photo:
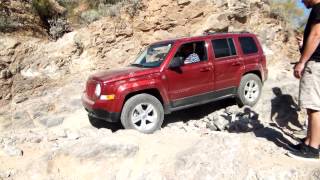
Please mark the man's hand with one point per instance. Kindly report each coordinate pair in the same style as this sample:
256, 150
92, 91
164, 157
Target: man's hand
298, 69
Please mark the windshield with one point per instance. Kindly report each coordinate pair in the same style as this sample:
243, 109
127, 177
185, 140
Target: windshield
153, 55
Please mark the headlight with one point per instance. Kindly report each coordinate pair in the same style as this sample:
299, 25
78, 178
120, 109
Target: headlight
97, 91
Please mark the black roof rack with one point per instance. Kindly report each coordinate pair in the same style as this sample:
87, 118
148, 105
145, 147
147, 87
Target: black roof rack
234, 32
208, 33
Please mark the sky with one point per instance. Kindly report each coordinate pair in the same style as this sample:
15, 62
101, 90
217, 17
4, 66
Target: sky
301, 5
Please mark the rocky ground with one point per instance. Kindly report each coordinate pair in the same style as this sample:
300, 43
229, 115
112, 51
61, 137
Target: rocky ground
167, 154
214, 141
46, 134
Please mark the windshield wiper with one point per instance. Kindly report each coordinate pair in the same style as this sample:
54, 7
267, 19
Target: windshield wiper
137, 65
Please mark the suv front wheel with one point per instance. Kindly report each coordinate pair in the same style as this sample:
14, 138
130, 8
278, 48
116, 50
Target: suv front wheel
249, 90
142, 112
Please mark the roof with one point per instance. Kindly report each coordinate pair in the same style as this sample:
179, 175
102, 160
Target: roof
188, 38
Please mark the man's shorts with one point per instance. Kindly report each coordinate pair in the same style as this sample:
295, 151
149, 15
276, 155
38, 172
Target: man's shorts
309, 91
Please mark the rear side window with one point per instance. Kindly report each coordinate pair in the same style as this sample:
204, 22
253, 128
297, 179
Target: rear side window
248, 45
223, 47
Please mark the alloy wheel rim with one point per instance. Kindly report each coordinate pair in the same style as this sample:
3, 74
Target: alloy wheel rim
144, 117
251, 91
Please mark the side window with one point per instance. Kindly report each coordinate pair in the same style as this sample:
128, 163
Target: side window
224, 47
248, 45
193, 52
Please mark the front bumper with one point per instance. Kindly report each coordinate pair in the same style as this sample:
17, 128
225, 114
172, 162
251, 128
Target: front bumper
104, 115
96, 110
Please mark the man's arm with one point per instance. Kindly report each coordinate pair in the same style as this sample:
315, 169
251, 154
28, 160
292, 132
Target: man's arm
311, 45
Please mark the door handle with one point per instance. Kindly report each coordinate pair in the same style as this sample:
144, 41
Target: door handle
204, 69
236, 63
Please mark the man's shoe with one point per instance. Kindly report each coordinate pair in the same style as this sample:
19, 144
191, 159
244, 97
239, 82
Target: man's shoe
301, 140
296, 147
305, 153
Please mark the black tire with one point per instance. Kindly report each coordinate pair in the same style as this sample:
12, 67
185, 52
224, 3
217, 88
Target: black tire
129, 109
242, 99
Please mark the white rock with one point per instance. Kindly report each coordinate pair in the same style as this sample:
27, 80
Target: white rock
183, 2
73, 135
7, 174
12, 150
56, 134
51, 121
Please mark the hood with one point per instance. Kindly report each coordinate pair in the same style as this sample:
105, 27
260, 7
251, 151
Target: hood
119, 74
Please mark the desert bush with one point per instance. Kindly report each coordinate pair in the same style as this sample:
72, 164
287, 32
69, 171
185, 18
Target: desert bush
109, 10
134, 6
80, 12
105, 8
58, 27
92, 10
8, 25
51, 14
3, 23
89, 16
4, 16
114, 11
67, 2
42, 7
4, 7
96, 3
70, 5
77, 39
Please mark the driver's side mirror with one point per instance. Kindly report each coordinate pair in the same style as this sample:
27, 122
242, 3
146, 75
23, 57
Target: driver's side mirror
176, 62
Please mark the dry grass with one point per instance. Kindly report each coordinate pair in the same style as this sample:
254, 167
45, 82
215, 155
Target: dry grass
87, 11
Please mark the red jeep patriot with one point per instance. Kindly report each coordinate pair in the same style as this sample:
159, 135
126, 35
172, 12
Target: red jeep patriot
177, 74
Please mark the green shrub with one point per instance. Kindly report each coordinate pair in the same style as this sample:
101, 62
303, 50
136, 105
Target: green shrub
93, 10
70, 5
89, 16
8, 25
77, 39
96, 3
3, 23
58, 27
52, 15
97, 9
109, 10
134, 7
113, 11
43, 8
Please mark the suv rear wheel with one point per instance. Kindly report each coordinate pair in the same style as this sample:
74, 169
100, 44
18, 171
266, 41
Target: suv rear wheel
142, 112
249, 90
